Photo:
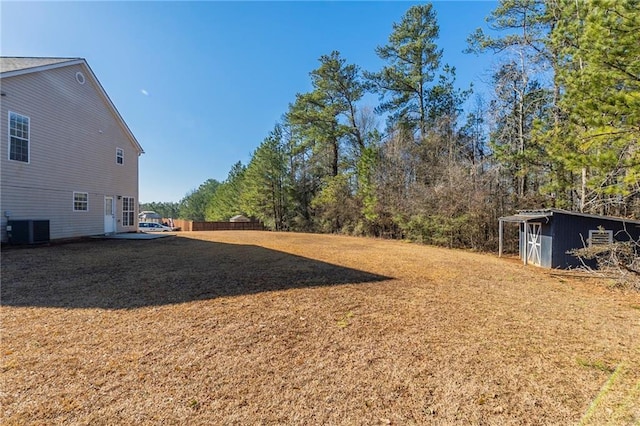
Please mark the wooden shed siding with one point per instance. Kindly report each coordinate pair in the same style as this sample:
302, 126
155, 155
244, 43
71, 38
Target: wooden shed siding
73, 139
572, 231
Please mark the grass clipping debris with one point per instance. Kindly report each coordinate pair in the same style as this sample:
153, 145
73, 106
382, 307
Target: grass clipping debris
274, 328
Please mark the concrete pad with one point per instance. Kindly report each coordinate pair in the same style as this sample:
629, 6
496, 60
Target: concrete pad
137, 236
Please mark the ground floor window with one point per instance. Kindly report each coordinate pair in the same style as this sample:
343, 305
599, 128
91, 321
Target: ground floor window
80, 201
128, 211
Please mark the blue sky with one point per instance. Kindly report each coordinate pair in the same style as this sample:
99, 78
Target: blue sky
201, 84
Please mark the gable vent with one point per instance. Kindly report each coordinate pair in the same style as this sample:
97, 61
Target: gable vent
600, 237
80, 77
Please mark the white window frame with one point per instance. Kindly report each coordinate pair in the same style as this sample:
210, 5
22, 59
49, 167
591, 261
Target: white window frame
19, 138
120, 156
76, 202
128, 215
600, 233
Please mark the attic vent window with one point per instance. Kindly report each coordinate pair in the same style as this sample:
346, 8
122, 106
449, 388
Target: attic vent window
600, 237
80, 77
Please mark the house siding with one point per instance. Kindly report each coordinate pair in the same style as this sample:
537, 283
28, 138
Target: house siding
73, 139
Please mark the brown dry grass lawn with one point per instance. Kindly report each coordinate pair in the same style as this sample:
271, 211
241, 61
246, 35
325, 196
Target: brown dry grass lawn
267, 328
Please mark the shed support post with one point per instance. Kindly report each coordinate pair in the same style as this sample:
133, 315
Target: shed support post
525, 243
500, 238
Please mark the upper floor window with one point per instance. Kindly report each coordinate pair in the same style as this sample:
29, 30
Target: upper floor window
80, 201
18, 137
119, 155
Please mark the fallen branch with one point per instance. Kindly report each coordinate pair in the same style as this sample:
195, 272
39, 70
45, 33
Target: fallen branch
620, 259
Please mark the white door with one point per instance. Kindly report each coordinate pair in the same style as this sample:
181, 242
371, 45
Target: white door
109, 216
534, 243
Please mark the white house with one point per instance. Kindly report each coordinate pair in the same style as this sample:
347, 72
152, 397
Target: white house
67, 156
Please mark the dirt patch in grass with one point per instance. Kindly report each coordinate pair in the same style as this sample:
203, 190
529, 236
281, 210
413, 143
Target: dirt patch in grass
258, 327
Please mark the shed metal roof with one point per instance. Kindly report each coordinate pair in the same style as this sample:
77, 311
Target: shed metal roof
528, 215
596, 216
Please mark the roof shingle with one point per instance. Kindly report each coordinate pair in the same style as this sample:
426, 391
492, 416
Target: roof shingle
8, 64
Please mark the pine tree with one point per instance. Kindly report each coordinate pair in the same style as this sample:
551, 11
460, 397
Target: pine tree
600, 78
520, 98
265, 189
194, 205
413, 59
226, 200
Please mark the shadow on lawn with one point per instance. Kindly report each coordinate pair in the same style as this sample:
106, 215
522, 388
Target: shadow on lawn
116, 274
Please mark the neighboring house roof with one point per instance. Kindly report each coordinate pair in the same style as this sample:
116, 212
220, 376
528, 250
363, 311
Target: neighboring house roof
149, 215
239, 218
12, 66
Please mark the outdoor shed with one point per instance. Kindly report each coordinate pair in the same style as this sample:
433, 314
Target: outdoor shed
239, 218
547, 235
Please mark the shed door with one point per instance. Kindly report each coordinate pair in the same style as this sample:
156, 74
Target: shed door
534, 243
109, 216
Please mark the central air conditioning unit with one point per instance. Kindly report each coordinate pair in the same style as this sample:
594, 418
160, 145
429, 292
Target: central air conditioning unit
28, 231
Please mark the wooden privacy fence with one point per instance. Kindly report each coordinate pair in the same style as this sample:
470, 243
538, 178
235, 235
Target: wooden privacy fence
190, 225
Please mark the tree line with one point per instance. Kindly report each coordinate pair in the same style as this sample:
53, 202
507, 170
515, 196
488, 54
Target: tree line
560, 129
